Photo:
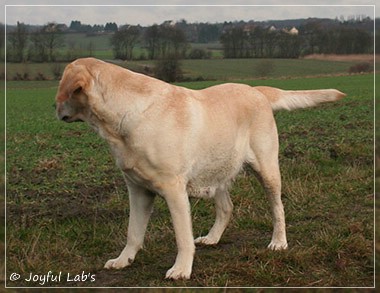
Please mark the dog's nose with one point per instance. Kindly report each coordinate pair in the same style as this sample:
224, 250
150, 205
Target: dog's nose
65, 118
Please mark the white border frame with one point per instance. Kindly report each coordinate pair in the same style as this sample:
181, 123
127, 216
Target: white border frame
185, 5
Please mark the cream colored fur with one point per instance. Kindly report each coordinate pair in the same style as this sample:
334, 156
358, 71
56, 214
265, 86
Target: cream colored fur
177, 142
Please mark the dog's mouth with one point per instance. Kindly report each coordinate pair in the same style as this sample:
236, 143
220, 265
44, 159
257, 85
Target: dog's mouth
69, 119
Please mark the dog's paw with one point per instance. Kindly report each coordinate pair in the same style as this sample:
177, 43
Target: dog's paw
278, 245
205, 240
177, 273
118, 263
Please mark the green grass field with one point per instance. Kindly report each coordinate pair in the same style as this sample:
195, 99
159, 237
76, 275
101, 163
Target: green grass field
101, 46
67, 207
212, 69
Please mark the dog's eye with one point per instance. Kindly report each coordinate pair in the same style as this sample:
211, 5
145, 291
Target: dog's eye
78, 90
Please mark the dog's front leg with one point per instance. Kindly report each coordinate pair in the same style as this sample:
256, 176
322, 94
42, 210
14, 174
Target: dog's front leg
179, 207
141, 204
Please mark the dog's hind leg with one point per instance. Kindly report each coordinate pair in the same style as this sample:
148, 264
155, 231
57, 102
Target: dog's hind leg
223, 206
264, 160
271, 180
141, 205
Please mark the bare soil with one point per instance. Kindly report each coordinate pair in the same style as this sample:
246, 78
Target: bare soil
343, 58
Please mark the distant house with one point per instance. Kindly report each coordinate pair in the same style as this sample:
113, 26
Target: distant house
293, 31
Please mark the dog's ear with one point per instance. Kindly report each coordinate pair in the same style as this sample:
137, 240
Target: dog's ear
74, 81
66, 90
78, 90
78, 87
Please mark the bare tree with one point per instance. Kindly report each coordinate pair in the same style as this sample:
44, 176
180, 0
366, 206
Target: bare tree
17, 43
165, 41
39, 52
53, 39
152, 38
124, 41
46, 41
233, 41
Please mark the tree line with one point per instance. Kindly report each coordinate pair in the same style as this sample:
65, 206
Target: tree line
171, 40
160, 41
310, 38
39, 46
77, 26
260, 43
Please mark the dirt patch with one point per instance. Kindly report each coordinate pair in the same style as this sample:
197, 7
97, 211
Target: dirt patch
341, 58
29, 208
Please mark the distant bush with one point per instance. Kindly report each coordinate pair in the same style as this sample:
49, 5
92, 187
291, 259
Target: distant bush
197, 78
360, 67
143, 56
56, 69
40, 76
17, 76
21, 76
199, 54
168, 70
264, 68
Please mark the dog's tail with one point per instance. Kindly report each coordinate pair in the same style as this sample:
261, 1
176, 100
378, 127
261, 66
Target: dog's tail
290, 100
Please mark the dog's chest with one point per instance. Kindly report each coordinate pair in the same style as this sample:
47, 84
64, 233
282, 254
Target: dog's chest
210, 170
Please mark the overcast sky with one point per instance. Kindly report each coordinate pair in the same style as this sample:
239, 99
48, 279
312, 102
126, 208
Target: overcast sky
148, 15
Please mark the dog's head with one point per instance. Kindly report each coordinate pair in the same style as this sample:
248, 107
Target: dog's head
74, 92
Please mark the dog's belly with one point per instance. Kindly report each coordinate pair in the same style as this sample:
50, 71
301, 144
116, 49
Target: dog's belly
202, 192
208, 179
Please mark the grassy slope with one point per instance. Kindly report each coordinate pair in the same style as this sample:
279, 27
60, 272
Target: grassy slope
67, 206
219, 69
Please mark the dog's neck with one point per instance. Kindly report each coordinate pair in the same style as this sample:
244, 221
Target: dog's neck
116, 116
112, 121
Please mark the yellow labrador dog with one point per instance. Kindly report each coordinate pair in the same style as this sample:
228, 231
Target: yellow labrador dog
177, 142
